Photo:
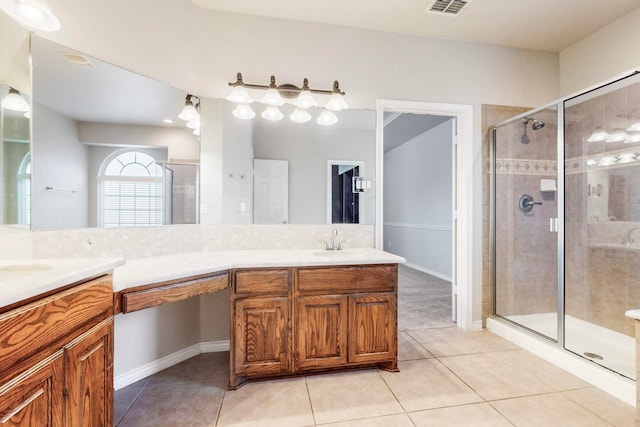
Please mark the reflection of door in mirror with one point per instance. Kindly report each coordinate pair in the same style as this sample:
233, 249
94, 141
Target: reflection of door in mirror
270, 191
344, 203
15, 165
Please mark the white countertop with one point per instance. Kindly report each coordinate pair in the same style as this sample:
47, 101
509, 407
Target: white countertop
23, 279
634, 314
137, 272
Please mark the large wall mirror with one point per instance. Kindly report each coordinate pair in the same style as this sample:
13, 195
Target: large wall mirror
108, 149
98, 134
15, 90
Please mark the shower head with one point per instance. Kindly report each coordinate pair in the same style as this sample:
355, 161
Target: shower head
537, 124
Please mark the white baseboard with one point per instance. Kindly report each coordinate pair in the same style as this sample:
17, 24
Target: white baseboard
476, 325
165, 362
426, 270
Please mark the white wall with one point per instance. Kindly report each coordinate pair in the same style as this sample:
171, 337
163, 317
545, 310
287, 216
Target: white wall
417, 205
237, 179
58, 160
211, 158
308, 147
181, 143
602, 55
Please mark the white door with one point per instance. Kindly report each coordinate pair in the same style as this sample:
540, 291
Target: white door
454, 222
270, 191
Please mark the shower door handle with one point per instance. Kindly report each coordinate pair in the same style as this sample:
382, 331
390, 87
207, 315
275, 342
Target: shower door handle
553, 225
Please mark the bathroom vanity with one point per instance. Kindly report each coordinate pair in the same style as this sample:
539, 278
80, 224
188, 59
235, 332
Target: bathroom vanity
287, 321
56, 348
292, 312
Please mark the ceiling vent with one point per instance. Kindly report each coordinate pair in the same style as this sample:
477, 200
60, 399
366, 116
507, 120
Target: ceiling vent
447, 7
77, 59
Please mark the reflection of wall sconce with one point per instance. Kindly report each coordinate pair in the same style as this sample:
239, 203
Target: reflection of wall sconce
361, 184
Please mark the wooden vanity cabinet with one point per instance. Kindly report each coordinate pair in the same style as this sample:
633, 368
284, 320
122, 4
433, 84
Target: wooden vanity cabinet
260, 315
56, 358
310, 319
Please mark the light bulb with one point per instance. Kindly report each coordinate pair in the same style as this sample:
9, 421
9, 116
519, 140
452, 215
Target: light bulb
244, 112
240, 95
30, 13
196, 132
635, 127
598, 135
336, 103
27, 114
633, 138
272, 113
300, 115
306, 100
272, 97
189, 111
14, 101
591, 162
617, 135
194, 124
327, 118
35, 14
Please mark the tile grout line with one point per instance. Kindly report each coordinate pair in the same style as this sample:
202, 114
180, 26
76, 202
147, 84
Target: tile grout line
404, 410
313, 414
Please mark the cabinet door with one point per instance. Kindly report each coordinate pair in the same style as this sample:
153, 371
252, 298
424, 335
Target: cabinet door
35, 397
89, 377
321, 331
372, 328
261, 336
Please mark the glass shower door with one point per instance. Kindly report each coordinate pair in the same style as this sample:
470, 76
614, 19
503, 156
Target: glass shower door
524, 222
602, 217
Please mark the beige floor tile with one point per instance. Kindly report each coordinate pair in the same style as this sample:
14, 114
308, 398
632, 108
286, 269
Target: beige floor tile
268, 403
427, 384
547, 410
476, 415
454, 341
604, 405
350, 396
513, 373
400, 420
410, 349
171, 405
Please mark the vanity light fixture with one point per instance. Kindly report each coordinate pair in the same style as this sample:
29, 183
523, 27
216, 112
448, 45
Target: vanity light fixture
189, 111
35, 14
633, 138
15, 101
277, 95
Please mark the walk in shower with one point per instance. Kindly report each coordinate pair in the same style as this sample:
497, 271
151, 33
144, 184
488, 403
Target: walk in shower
565, 183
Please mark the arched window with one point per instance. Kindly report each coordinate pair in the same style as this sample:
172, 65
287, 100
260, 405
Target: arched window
24, 190
131, 191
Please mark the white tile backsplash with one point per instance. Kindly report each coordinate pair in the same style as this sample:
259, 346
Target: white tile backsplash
144, 242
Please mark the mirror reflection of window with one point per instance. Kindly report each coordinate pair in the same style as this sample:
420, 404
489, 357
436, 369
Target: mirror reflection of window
24, 190
130, 185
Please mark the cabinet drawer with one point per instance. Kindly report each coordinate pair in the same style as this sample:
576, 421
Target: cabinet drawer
261, 282
31, 328
154, 296
343, 280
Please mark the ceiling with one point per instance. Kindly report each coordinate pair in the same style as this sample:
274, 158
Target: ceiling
544, 25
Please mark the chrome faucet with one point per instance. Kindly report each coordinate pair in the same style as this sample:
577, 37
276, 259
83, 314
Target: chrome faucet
334, 244
628, 239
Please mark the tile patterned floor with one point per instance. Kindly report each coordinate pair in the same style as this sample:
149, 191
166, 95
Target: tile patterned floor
447, 377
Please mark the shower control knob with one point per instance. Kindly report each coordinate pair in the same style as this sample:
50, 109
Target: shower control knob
525, 203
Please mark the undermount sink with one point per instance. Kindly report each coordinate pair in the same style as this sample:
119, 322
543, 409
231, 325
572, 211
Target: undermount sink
18, 271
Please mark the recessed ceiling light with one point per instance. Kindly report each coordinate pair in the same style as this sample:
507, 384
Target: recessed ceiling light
169, 121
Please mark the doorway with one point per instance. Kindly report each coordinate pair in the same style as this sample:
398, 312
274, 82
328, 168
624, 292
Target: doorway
462, 191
